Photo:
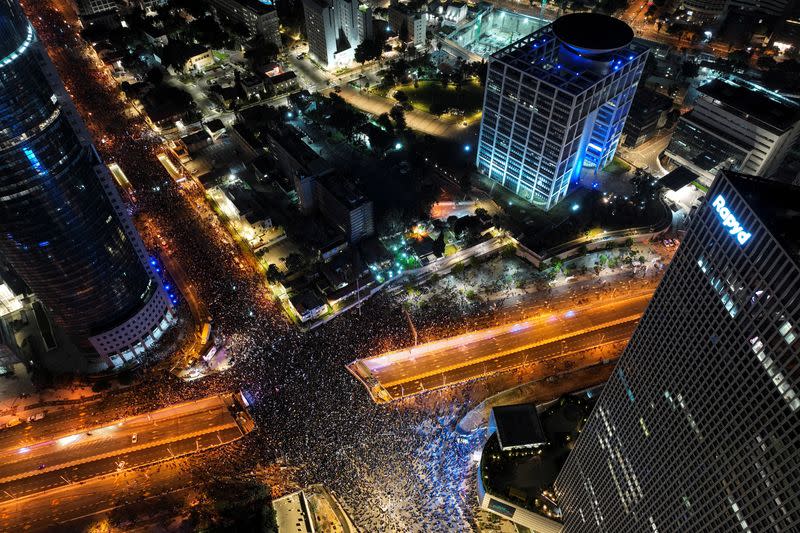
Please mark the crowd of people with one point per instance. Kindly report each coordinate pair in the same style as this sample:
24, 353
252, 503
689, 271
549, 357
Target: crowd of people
396, 468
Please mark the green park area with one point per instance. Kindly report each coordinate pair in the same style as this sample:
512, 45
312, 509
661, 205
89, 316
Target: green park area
617, 167
433, 97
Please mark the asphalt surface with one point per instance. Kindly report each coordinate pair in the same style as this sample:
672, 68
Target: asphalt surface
546, 335
76, 457
71, 508
538, 354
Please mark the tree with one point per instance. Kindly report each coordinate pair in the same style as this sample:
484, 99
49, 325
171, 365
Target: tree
437, 108
391, 223
438, 245
690, 69
739, 58
385, 122
401, 97
274, 274
398, 114
388, 79
444, 77
154, 76
403, 33
261, 53
368, 50
465, 182
481, 69
766, 62
294, 262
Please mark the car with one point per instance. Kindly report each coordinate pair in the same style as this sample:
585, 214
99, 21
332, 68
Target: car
41, 466
134, 438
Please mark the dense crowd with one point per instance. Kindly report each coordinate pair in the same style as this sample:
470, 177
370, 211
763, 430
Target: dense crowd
396, 468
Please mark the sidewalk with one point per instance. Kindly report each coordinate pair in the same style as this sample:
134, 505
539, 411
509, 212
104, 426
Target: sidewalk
539, 391
19, 398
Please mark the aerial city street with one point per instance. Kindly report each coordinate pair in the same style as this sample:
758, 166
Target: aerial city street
399, 266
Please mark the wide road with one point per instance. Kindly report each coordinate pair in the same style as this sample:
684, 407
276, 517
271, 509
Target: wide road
546, 335
77, 506
39, 466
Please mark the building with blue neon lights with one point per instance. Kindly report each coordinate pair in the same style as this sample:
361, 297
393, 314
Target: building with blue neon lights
63, 227
556, 101
697, 428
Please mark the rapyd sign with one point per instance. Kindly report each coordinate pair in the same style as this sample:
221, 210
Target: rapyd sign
729, 220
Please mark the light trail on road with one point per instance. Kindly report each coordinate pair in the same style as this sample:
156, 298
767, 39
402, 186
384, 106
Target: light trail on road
551, 334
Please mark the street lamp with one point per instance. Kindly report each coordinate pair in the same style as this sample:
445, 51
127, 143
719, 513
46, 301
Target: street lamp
398, 145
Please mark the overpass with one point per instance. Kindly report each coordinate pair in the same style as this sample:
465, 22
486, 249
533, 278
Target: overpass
549, 335
30, 465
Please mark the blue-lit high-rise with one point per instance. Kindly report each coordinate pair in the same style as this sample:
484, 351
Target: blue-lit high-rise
63, 227
556, 101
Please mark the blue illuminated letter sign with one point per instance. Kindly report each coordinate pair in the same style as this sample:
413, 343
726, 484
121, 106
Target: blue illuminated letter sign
729, 221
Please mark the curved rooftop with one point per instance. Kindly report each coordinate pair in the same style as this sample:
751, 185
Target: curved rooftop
13, 27
592, 33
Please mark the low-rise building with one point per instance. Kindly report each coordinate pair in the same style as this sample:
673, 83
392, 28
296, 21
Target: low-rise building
281, 83
297, 161
735, 125
248, 145
308, 305
245, 213
517, 427
344, 207
215, 128
647, 115
258, 16
447, 12
195, 142
252, 87
522, 458
197, 58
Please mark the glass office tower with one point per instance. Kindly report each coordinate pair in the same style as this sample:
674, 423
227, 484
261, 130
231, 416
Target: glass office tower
698, 429
556, 101
63, 227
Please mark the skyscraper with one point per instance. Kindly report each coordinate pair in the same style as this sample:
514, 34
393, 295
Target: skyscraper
698, 428
63, 227
555, 101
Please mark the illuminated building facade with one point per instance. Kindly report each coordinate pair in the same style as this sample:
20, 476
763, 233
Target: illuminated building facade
556, 101
698, 429
335, 28
63, 227
735, 125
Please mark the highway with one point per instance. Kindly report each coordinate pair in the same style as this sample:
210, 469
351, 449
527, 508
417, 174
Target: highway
76, 507
547, 335
31, 467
